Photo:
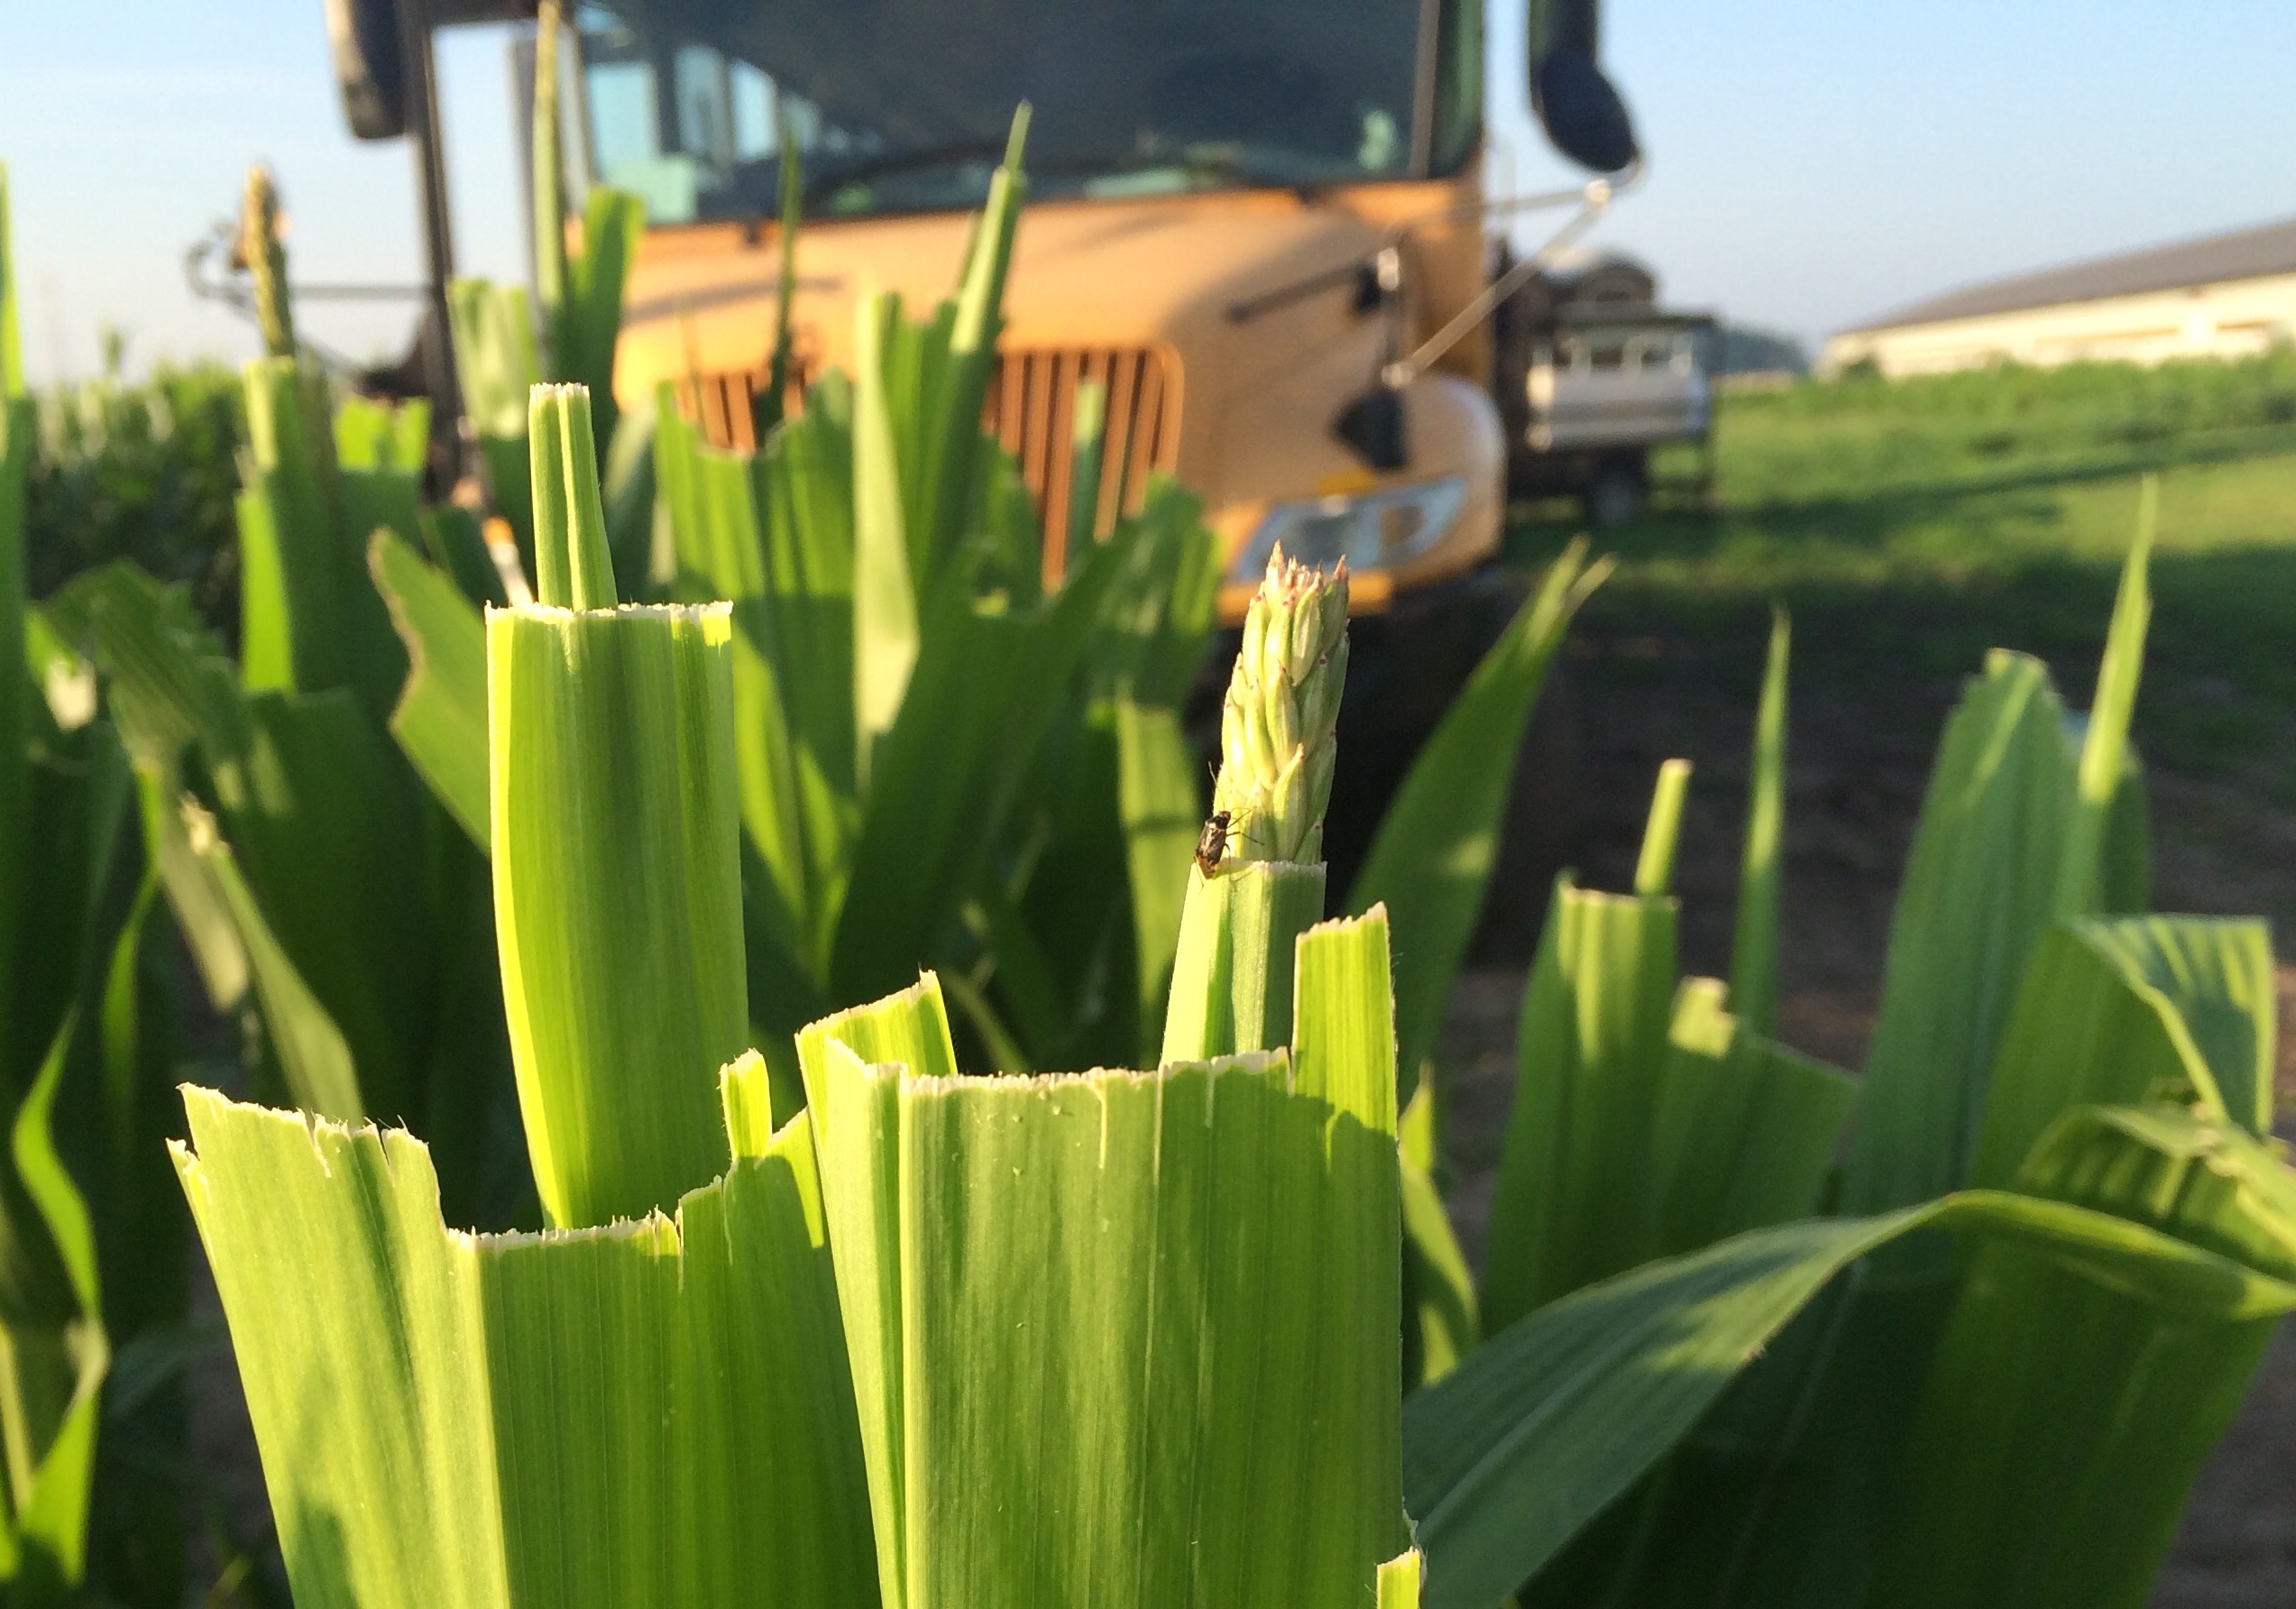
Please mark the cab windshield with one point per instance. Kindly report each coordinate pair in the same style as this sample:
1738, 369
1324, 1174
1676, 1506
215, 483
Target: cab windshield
902, 106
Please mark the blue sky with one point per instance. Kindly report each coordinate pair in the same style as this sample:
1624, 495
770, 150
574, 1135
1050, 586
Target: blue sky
1811, 160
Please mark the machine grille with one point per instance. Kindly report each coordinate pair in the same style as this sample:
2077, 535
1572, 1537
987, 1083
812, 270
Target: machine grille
1031, 406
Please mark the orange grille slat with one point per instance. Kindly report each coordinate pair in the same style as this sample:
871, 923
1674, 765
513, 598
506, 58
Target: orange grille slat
1030, 407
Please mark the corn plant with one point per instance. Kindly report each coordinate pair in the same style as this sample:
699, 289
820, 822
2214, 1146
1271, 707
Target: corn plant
938, 1338
2016, 1421
91, 1254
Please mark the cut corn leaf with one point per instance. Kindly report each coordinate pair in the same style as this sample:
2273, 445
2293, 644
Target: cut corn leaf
441, 719
618, 902
1743, 1130
1573, 1200
2067, 1412
2130, 1011
1232, 975
1205, 1255
650, 1416
1979, 887
1430, 864
1400, 1581
1551, 1421
1753, 951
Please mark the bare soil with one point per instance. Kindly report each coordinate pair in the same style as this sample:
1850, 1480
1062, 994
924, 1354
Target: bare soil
1859, 748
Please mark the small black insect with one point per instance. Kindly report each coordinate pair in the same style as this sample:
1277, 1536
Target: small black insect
1211, 843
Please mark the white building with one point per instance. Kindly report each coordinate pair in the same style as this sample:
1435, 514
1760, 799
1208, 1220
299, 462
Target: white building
2227, 296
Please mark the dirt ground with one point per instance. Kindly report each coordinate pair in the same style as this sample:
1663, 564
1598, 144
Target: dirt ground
1858, 761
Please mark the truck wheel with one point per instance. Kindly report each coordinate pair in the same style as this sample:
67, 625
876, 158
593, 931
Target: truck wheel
1615, 496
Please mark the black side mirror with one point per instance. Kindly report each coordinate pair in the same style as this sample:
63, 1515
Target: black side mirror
1582, 112
370, 69
1372, 425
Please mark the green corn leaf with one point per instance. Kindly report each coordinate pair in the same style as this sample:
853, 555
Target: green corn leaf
1744, 1131
1441, 1324
2059, 1433
455, 539
771, 402
324, 823
547, 189
590, 322
497, 364
616, 836
989, 681
2130, 1011
2105, 744
1654, 869
293, 593
49, 1528
441, 719
1979, 887
886, 580
204, 877
1231, 980
1400, 1581
650, 1416
1753, 951
1572, 1204
370, 434
1240, 1360
1158, 805
1551, 1420
1430, 863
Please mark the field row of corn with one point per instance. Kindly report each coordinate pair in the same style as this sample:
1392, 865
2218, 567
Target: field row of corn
654, 897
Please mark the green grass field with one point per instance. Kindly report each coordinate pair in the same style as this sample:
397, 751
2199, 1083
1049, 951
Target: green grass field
1912, 525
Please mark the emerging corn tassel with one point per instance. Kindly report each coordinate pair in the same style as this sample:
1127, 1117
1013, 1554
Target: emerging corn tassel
1258, 884
1277, 731
617, 857
266, 260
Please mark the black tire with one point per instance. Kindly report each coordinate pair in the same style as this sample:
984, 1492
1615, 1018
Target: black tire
1616, 496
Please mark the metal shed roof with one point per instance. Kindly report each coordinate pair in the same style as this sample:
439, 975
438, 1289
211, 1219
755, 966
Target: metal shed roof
2243, 254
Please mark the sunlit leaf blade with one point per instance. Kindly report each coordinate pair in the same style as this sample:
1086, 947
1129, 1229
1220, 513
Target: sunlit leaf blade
1753, 951
1548, 1423
1204, 1260
617, 885
653, 1415
2067, 1415
592, 318
1431, 863
1573, 1200
1979, 887
441, 719
886, 584
2130, 1011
